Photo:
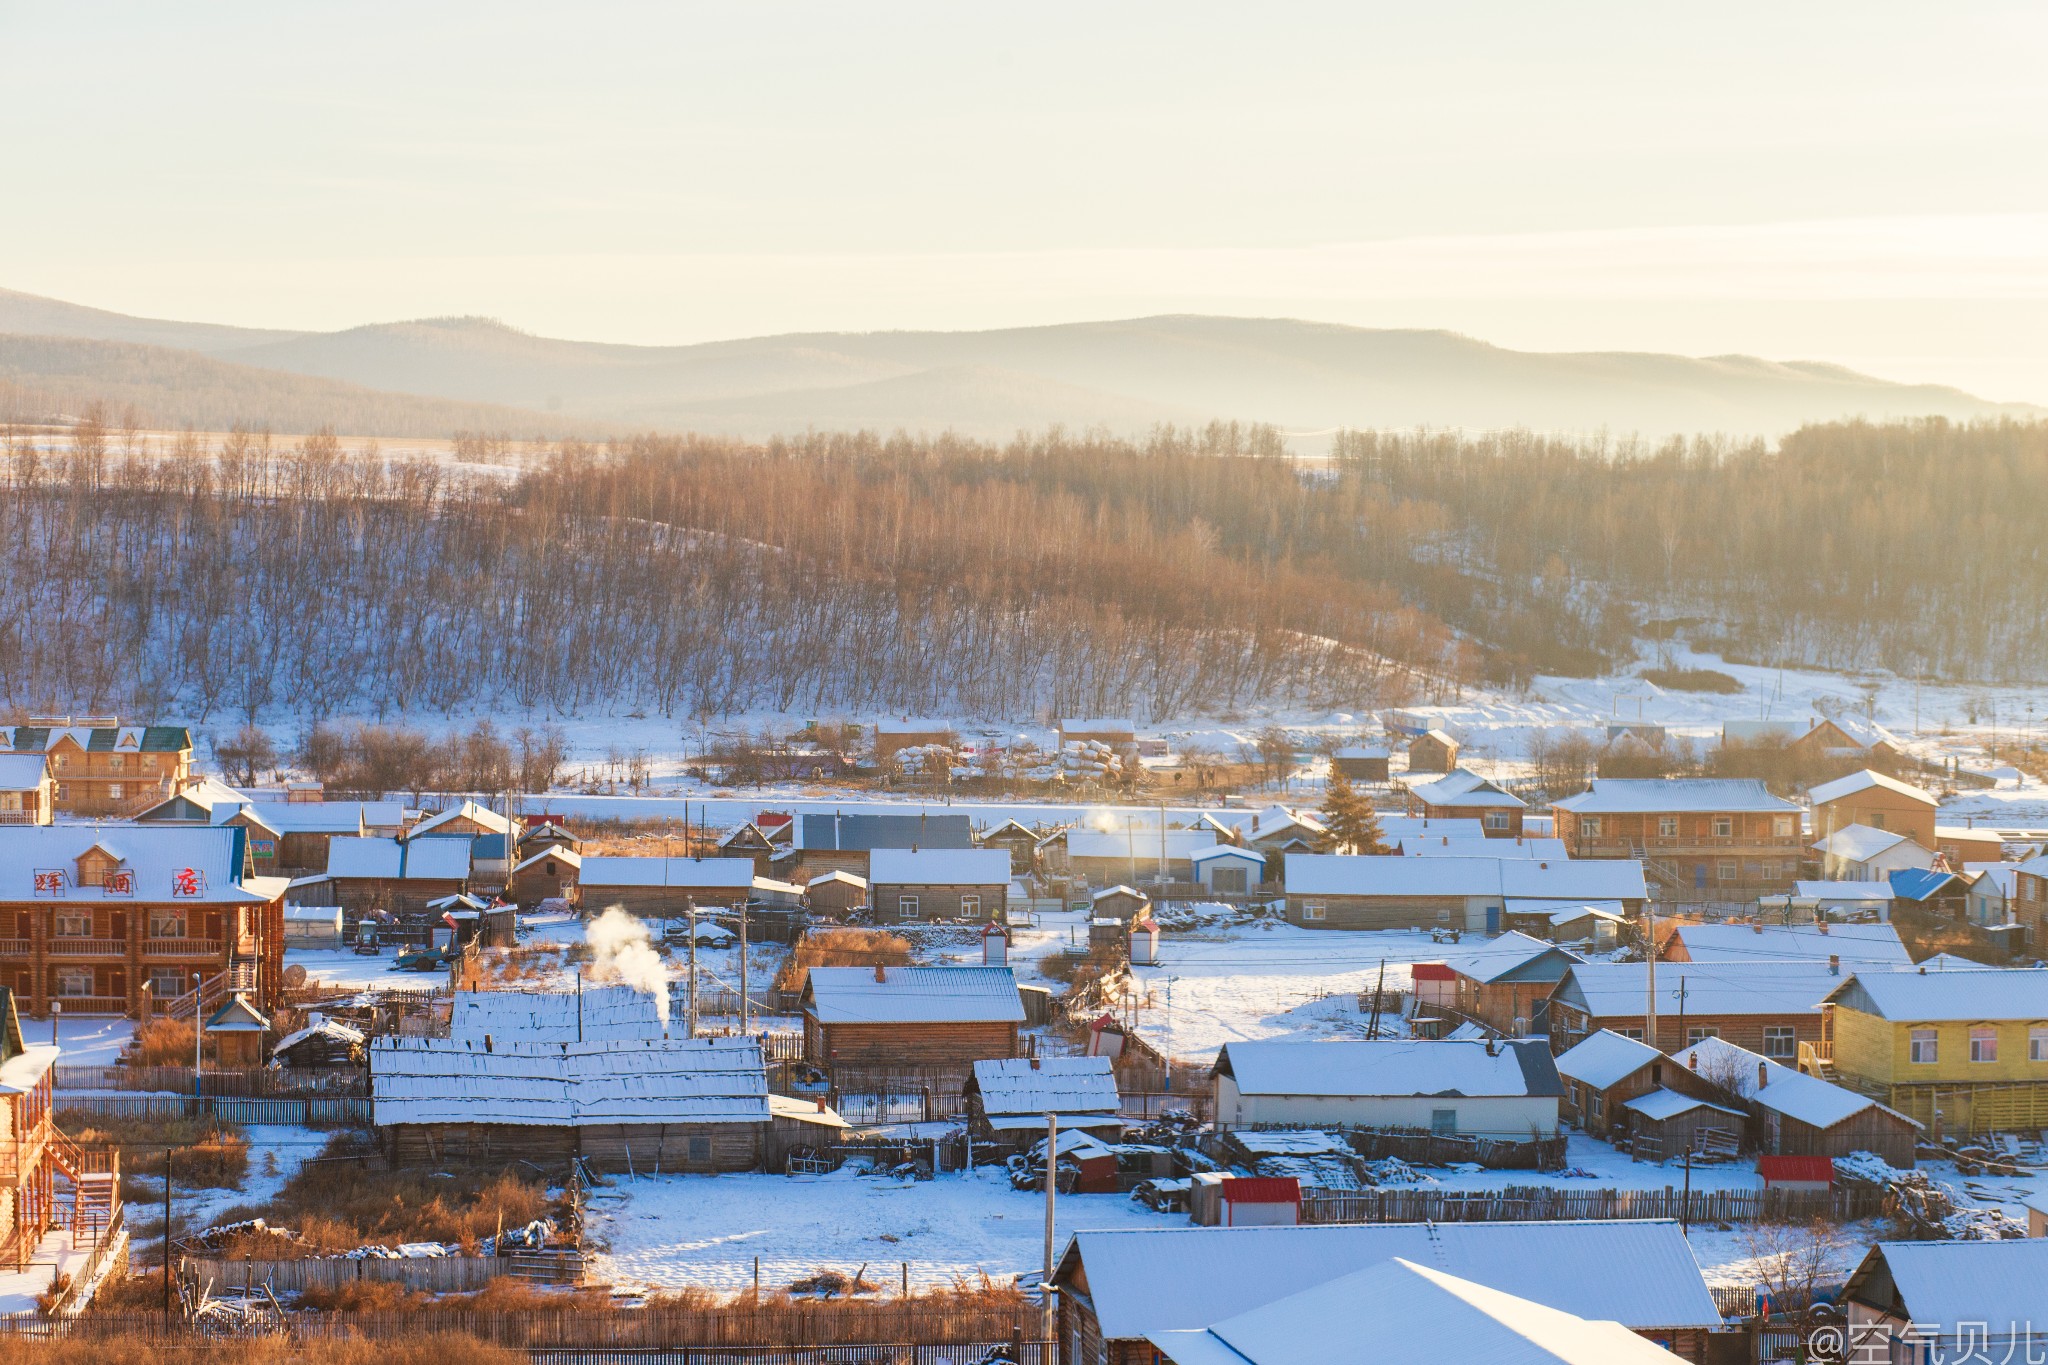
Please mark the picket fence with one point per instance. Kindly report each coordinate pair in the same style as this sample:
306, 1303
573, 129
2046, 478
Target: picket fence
312, 1111
427, 1274
1546, 1204
250, 1083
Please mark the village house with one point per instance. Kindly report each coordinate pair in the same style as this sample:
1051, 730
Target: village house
1443, 846
1463, 795
1007, 1099
1019, 841
1766, 1006
1936, 892
1471, 1089
1605, 1071
1948, 1301
1874, 799
550, 872
1971, 1044
102, 767
1812, 902
746, 840
1334, 891
1668, 1123
555, 1077
1851, 945
1596, 925
28, 793
892, 737
1849, 737
833, 895
1708, 838
95, 917
1118, 1289
291, 838
886, 1018
1135, 853
1228, 870
397, 876
1276, 829
1993, 895
1800, 1115
662, 888
1408, 1312
907, 885
1117, 732
1362, 763
1858, 853
2029, 904
35, 1156
1962, 844
1505, 982
836, 842
1432, 751
194, 803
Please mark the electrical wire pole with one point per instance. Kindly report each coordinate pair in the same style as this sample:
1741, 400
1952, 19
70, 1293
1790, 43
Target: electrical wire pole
746, 1013
690, 908
1650, 973
1052, 1167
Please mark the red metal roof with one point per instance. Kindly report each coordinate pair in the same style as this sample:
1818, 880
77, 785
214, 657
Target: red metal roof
1431, 971
1815, 1169
1262, 1189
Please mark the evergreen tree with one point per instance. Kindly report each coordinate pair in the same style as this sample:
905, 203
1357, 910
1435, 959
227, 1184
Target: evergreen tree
1350, 818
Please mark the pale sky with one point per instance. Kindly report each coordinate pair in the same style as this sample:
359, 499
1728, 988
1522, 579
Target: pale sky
1853, 182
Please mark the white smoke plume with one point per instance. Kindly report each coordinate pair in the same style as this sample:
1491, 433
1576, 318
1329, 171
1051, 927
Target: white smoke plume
621, 949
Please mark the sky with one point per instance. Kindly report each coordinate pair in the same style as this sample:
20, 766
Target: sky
1860, 183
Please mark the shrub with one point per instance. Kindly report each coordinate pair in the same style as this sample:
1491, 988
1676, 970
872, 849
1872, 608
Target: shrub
160, 1042
205, 1152
1692, 680
840, 948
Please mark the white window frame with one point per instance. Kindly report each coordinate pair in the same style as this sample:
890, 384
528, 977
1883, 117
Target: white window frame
1589, 826
907, 908
68, 978
1727, 869
970, 906
1667, 827
1315, 910
168, 923
1635, 1033
1984, 1044
1925, 1041
1781, 826
113, 791
1781, 1042
74, 924
1699, 1033
1496, 819
2037, 1043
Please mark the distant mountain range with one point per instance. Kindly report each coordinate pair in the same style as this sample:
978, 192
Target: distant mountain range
435, 375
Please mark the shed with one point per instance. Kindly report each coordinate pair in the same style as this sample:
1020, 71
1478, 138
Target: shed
1228, 870
1665, 1123
1472, 1089
1606, 1071
237, 1030
323, 1042
1362, 762
1948, 1301
1260, 1201
833, 894
1008, 1098
1432, 751
1801, 1115
1120, 903
312, 926
892, 1017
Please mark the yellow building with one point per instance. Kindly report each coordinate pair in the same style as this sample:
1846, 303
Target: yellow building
1960, 1051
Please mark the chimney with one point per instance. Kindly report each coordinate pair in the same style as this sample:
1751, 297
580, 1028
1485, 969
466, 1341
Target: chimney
880, 973
821, 1104
1763, 1074
1820, 922
487, 1042
1034, 1063
1834, 964
1758, 926
1491, 1050
1693, 1061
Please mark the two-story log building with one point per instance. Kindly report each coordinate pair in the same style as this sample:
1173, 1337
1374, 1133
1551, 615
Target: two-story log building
1698, 838
102, 767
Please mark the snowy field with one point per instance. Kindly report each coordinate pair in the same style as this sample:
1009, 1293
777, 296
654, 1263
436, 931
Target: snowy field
672, 1231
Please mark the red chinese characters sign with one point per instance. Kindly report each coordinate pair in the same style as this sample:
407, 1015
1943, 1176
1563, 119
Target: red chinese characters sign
188, 881
50, 881
120, 882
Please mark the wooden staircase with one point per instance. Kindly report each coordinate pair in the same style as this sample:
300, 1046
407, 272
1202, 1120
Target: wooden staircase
211, 993
94, 1178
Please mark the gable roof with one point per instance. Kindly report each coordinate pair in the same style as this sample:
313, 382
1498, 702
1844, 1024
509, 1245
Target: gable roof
384, 858
860, 833
1863, 781
1142, 843
1399, 1310
1401, 1066
597, 1013
1951, 1288
1660, 1104
492, 822
1989, 994
1614, 990
1604, 1058
155, 853
913, 995
552, 853
315, 817
938, 867
101, 738
1859, 843
1659, 795
1210, 855
1338, 874
1511, 954
1037, 1086
1846, 891
1864, 944
1398, 829
1465, 788
22, 772
1918, 883
1442, 846
1796, 1095
683, 874
568, 1084
1637, 1272
852, 879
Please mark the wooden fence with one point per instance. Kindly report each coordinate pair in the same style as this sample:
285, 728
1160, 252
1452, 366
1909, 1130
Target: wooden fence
1539, 1204
255, 1083
331, 1111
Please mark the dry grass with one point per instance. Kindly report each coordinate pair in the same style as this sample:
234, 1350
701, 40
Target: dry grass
204, 1152
840, 948
503, 1295
444, 1348
161, 1042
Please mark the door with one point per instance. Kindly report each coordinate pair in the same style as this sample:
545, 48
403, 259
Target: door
1493, 919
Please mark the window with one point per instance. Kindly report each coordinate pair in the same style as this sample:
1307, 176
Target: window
1877, 819
167, 983
1984, 1044
1724, 826
1790, 870
1635, 1033
1726, 870
1926, 1050
2037, 1044
970, 907
1312, 909
1667, 826
1589, 826
1443, 1121
551, 867
1599, 1103
74, 926
1699, 1034
1781, 825
700, 1149
113, 791
74, 981
117, 762
167, 924
906, 907
1780, 1042
1496, 819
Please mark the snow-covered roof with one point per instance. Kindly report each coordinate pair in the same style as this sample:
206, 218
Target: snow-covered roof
1363, 751
1465, 788
157, 856
938, 867
22, 772
1787, 1091
1658, 795
1858, 843
852, 879
1865, 734
914, 995
862, 832
2001, 877
492, 822
1605, 1058
1401, 1066
596, 1014
1615, 990
1061, 1085
1503, 956
1917, 883
346, 1035
23, 1071
205, 792
1860, 944
1119, 890
1444, 847
647, 1080
1660, 1104
1992, 993
1139, 843
1398, 829
1844, 891
1210, 855
1864, 781
1564, 911
1640, 1273
1399, 1310
312, 914
1098, 725
683, 874
404, 859
1977, 1293
314, 817
1336, 874
552, 853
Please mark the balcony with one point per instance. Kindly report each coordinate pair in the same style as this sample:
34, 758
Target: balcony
181, 947
1680, 845
18, 817
63, 945
91, 1004
14, 947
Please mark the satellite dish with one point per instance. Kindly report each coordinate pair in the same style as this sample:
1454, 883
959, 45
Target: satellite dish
295, 975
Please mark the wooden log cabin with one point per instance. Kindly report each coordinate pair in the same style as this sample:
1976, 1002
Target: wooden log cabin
1769, 1007
662, 887
1465, 795
28, 794
47, 1181
104, 919
1874, 799
1793, 1114
902, 1017
102, 767
399, 876
1720, 839
1606, 1071
909, 885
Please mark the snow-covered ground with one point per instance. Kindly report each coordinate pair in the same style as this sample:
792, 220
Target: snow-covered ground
673, 1231
86, 1040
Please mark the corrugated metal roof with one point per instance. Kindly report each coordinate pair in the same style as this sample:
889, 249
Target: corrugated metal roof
1639, 1273
1981, 1288
1592, 879
1949, 996
1465, 788
1062, 1085
1792, 1093
681, 874
1615, 990
914, 995
1861, 944
595, 1014
22, 772
1509, 953
1439, 846
938, 867
861, 833
1605, 1058
156, 854
1661, 1104
1401, 1066
1858, 843
1143, 844
656, 1080
1650, 795
1864, 781
1845, 891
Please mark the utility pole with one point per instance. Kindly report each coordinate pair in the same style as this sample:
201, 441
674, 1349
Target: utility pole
1680, 993
1052, 1163
746, 1012
198, 1034
1372, 1029
690, 906
1650, 973
579, 1002
167, 1232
